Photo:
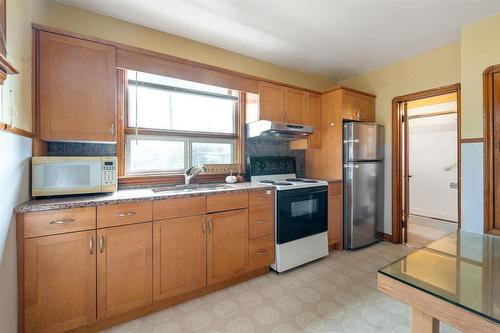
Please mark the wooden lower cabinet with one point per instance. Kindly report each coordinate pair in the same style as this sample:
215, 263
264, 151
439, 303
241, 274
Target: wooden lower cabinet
60, 285
227, 245
179, 256
335, 213
124, 269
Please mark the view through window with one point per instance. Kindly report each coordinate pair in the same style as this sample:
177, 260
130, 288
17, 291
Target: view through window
173, 124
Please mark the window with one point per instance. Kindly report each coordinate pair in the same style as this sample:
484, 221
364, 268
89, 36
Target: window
173, 124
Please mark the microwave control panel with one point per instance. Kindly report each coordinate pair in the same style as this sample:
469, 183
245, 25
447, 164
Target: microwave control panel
109, 171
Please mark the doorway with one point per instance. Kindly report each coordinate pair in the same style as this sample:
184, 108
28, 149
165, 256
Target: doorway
426, 166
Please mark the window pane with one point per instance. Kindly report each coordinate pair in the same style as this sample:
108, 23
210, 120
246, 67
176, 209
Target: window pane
212, 152
158, 106
154, 154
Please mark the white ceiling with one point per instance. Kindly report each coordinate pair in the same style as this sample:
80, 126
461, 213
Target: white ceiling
334, 38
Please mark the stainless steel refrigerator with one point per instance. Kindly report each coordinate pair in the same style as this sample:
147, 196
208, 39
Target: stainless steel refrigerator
363, 184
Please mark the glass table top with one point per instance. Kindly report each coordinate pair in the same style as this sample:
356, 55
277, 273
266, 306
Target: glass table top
462, 268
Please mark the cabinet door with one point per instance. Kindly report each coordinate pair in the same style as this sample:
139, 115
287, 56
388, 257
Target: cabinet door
350, 106
76, 89
124, 269
60, 282
272, 101
227, 254
367, 108
295, 104
335, 213
179, 256
314, 119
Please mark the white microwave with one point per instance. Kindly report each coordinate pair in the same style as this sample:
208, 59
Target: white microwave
57, 175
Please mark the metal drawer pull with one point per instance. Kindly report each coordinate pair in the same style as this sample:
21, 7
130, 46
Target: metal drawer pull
101, 244
91, 245
65, 221
261, 198
261, 221
126, 214
261, 253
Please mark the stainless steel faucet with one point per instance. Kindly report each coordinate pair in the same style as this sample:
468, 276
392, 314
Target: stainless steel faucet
192, 172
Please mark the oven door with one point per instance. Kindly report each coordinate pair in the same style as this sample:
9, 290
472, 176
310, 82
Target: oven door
301, 213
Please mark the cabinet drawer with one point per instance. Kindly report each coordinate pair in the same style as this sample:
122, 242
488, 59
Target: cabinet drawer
227, 201
261, 198
59, 221
121, 214
261, 252
261, 222
171, 208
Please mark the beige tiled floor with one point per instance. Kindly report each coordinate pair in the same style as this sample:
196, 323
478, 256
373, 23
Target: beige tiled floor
335, 294
423, 231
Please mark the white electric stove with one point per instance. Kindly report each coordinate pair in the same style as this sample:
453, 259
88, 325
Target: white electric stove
301, 217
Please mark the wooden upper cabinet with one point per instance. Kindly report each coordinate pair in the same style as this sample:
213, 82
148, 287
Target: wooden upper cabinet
295, 105
76, 86
60, 282
179, 256
227, 245
357, 106
271, 101
276, 103
311, 116
367, 108
124, 269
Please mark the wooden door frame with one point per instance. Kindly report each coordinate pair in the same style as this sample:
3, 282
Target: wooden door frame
488, 146
397, 149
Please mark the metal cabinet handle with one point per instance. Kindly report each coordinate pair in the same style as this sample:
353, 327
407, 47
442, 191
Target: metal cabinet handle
261, 221
204, 225
101, 244
91, 245
358, 113
209, 224
126, 214
113, 128
261, 253
353, 141
64, 221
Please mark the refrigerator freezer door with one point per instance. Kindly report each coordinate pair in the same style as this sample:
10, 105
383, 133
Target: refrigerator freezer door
363, 203
363, 142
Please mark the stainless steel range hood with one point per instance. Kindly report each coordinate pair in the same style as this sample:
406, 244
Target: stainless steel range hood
278, 131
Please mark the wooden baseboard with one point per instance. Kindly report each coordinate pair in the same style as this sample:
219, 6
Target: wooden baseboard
161, 305
387, 238
335, 247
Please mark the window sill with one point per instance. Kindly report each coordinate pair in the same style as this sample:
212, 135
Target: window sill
170, 179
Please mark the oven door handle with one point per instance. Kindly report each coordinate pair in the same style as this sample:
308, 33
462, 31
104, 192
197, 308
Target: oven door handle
307, 191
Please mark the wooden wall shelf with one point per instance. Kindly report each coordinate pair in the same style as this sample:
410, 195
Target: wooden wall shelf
6, 68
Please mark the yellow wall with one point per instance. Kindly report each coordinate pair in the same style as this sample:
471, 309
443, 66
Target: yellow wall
46, 12
437, 68
480, 49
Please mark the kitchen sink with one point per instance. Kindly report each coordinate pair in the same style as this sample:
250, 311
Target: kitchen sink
190, 188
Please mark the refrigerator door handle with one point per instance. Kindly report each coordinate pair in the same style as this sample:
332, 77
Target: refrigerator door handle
352, 141
350, 166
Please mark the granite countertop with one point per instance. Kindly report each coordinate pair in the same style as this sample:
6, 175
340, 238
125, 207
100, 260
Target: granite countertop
128, 195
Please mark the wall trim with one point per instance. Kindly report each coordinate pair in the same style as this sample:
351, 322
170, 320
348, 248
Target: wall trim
472, 140
14, 130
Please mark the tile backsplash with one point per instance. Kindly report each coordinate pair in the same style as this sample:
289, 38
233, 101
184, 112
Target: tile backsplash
266, 147
254, 147
80, 149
